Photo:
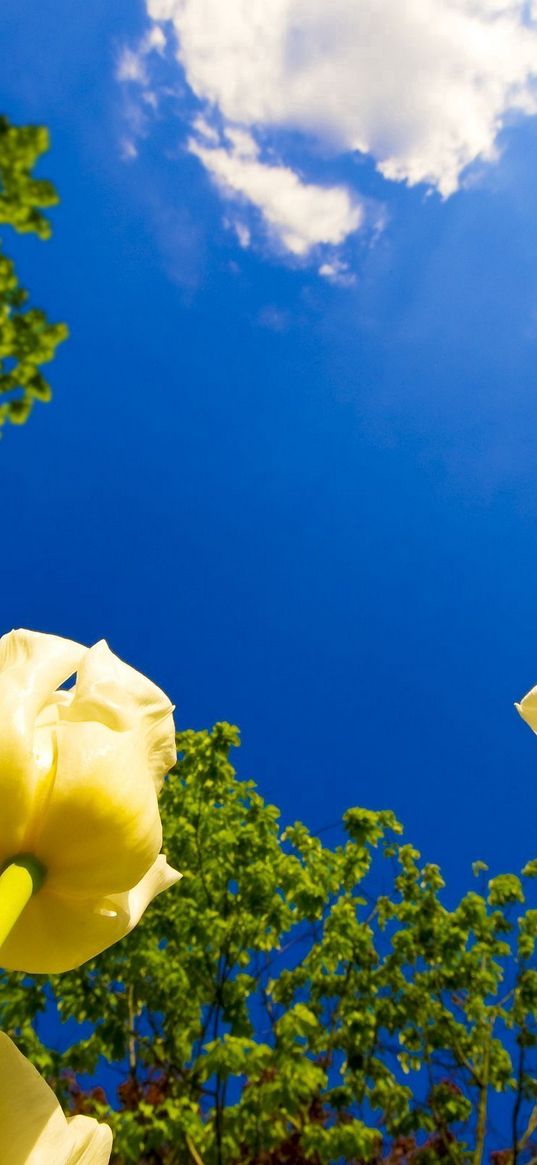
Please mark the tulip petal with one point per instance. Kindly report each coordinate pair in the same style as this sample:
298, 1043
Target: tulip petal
115, 741
32, 666
101, 831
31, 1121
92, 1142
160, 877
56, 933
33, 1128
528, 709
111, 692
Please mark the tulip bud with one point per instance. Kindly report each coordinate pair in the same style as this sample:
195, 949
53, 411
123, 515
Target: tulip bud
80, 772
33, 1128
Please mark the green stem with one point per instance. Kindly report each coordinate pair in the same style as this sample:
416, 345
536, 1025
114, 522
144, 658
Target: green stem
22, 878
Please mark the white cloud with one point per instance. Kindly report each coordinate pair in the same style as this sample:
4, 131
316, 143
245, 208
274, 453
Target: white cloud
132, 63
131, 66
241, 230
298, 215
128, 149
155, 41
422, 86
206, 131
134, 67
338, 272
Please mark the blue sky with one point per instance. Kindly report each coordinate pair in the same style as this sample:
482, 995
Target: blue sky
302, 502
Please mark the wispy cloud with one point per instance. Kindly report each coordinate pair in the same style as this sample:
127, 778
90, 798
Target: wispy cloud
298, 216
132, 62
133, 70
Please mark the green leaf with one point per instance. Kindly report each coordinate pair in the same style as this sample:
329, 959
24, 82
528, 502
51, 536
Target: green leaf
505, 889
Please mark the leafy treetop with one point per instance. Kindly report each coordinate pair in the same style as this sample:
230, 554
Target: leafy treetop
27, 338
293, 1003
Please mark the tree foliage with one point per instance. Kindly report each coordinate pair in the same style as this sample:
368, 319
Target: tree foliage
292, 1002
27, 338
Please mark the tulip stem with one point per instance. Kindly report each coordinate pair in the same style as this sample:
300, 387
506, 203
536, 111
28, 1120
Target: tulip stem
19, 880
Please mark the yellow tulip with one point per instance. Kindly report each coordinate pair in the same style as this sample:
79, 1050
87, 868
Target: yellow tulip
33, 1128
80, 772
528, 709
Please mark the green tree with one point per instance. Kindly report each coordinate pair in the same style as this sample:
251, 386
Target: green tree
291, 1002
27, 338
